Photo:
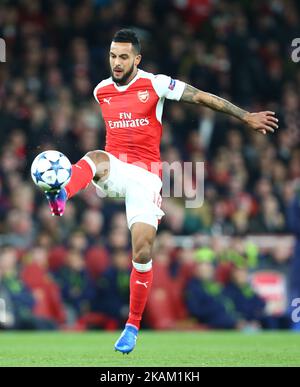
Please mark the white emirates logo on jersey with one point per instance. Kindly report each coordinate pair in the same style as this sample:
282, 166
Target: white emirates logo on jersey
126, 121
143, 95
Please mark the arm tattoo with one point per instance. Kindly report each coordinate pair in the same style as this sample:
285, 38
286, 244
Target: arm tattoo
193, 95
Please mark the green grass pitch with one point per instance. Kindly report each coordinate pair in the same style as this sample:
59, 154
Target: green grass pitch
153, 349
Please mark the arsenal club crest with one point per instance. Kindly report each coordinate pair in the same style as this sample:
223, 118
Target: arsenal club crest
143, 95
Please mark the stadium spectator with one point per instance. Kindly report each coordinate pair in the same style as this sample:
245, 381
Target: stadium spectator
112, 288
205, 297
19, 300
249, 306
293, 213
36, 277
76, 287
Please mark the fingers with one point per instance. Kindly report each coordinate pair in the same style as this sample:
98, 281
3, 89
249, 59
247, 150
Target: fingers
272, 118
265, 129
266, 122
270, 115
268, 128
272, 124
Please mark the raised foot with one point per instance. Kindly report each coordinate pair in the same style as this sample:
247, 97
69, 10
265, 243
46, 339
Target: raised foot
57, 201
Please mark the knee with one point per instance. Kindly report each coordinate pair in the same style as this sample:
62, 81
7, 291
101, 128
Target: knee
101, 161
97, 157
142, 251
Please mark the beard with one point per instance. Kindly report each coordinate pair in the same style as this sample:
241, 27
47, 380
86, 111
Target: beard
122, 81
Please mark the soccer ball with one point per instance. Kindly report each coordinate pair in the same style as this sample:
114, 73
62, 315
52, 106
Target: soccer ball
51, 170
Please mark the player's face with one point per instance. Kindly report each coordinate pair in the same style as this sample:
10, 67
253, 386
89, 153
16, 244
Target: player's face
123, 62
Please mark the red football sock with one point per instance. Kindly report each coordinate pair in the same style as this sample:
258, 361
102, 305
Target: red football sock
140, 285
82, 175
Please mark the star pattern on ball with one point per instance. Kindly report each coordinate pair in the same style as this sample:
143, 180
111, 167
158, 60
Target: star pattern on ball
38, 176
55, 165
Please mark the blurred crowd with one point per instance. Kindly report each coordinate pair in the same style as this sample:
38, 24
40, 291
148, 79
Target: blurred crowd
73, 272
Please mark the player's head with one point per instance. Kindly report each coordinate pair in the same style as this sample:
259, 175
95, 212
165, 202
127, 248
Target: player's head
124, 56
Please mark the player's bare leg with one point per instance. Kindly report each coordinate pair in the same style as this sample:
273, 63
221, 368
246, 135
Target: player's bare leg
142, 236
94, 164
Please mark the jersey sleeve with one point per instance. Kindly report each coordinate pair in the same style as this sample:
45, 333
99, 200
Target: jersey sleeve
167, 87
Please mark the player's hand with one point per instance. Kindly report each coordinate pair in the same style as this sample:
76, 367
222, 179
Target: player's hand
263, 122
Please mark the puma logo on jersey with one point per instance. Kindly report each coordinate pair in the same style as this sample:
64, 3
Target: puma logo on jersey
107, 100
142, 283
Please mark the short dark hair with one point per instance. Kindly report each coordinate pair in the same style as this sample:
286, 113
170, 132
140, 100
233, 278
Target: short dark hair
128, 36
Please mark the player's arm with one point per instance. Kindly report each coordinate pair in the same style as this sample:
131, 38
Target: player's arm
262, 122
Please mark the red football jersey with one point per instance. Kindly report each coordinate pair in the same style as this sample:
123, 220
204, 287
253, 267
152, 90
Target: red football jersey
132, 115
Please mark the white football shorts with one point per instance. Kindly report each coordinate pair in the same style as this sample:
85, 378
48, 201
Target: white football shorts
140, 188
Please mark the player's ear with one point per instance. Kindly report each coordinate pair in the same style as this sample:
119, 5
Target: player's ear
138, 59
